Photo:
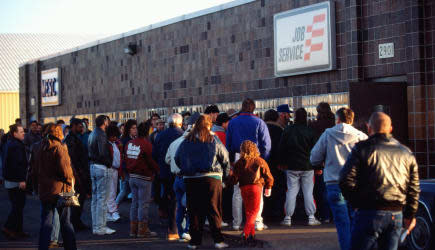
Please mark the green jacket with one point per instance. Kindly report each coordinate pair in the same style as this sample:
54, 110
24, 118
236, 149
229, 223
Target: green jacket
295, 147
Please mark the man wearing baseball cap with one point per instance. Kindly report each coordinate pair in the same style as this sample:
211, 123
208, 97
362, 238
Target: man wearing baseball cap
284, 114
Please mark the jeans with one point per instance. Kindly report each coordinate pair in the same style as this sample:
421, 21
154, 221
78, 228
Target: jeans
341, 214
180, 190
66, 228
124, 186
56, 227
319, 193
204, 200
76, 212
296, 179
376, 227
100, 180
17, 198
111, 194
141, 190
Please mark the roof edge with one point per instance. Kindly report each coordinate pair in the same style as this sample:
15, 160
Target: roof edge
181, 18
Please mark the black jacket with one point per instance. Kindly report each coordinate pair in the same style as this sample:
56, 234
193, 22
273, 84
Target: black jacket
295, 147
98, 146
275, 132
381, 174
14, 161
79, 162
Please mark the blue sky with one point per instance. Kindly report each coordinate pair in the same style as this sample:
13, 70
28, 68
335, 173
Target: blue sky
91, 16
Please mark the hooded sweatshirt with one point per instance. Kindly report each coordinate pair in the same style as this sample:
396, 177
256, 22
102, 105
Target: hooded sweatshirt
333, 148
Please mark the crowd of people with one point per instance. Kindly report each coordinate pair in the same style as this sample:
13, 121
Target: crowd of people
204, 169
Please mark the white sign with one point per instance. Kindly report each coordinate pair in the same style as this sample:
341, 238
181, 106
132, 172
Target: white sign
305, 40
386, 50
50, 87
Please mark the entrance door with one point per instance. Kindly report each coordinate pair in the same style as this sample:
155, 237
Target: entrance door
368, 97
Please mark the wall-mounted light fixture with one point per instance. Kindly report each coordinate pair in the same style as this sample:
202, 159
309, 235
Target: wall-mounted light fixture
130, 49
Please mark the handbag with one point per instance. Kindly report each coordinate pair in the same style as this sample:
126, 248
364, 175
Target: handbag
68, 199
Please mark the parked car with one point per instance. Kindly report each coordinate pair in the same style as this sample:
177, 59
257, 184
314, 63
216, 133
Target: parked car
423, 235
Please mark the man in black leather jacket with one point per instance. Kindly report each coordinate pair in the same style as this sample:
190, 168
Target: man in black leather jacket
100, 160
380, 179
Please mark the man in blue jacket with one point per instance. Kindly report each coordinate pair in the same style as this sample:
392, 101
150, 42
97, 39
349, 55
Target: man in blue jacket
247, 126
160, 148
14, 173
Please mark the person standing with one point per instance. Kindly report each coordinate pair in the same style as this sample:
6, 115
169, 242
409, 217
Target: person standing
33, 135
80, 164
130, 133
220, 127
247, 126
284, 115
380, 179
274, 205
159, 128
54, 174
115, 152
203, 161
324, 119
294, 157
161, 145
212, 111
142, 169
332, 150
14, 173
252, 173
100, 160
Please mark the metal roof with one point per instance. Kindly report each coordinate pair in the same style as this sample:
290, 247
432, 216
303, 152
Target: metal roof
16, 49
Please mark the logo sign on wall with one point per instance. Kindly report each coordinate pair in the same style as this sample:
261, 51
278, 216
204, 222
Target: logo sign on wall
50, 87
305, 40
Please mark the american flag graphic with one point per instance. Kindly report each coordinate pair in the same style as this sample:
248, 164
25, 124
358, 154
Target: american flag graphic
316, 29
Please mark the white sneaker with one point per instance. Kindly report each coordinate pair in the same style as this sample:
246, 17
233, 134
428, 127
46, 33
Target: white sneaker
115, 216
260, 226
236, 228
313, 222
287, 223
220, 245
109, 217
186, 236
224, 224
104, 231
192, 246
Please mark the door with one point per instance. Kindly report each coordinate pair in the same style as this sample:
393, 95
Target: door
368, 97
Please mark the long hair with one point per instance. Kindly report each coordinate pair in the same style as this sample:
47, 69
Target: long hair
201, 130
54, 130
249, 150
130, 123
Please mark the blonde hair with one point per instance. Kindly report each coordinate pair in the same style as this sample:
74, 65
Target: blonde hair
249, 150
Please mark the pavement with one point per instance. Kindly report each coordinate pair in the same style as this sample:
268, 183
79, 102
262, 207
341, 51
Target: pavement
299, 236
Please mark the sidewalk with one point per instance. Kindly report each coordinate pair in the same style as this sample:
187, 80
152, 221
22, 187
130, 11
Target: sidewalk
277, 237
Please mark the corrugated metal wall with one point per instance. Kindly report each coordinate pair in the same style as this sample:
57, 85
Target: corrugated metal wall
9, 109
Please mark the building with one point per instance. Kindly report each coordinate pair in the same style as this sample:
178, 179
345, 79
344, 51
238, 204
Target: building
371, 55
19, 48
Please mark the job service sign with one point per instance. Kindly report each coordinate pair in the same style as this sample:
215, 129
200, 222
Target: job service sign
50, 87
305, 40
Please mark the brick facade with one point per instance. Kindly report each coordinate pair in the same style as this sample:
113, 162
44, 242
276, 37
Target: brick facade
228, 55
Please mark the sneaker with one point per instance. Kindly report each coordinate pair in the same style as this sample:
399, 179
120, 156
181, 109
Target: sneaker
224, 224
260, 226
313, 222
115, 216
192, 246
236, 228
286, 222
186, 236
220, 245
109, 217
172, 237
104, 231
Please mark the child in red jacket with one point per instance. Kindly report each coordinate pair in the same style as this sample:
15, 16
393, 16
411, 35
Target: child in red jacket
252, 173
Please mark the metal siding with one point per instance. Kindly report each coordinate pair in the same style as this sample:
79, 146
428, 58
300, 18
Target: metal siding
9, 109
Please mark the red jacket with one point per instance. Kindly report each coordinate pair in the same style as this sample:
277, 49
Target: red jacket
138, 159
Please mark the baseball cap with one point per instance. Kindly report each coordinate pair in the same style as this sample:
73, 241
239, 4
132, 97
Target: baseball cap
284, 108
